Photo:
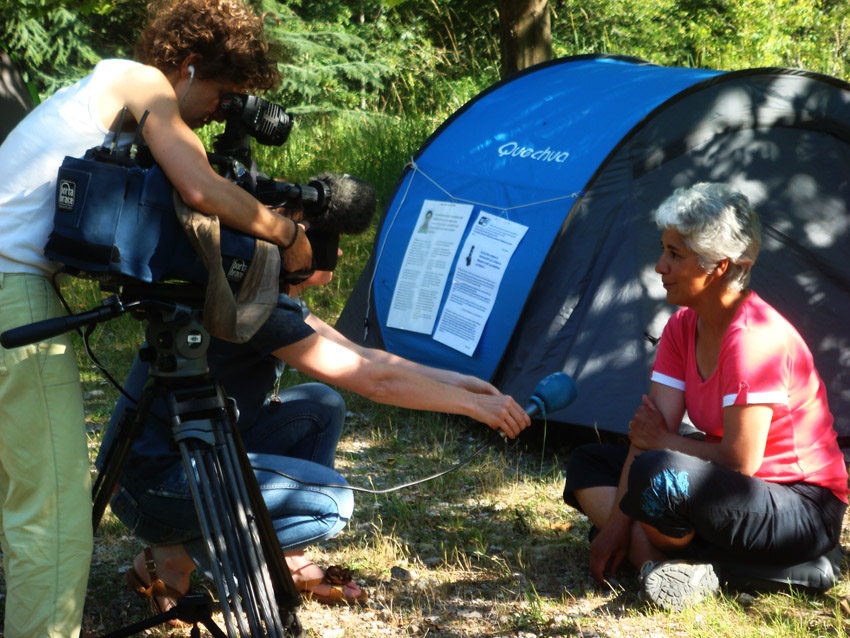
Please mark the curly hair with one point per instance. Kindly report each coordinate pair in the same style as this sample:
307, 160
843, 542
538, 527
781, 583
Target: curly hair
226, 34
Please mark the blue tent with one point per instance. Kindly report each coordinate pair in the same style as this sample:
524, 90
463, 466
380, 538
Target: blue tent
576, 153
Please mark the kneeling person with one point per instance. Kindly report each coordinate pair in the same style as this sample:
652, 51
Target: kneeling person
295, 433
767, 483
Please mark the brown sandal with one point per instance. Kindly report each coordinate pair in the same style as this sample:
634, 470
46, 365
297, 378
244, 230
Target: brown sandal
156, 590
337, 578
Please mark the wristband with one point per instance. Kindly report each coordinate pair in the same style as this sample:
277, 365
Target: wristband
294, 237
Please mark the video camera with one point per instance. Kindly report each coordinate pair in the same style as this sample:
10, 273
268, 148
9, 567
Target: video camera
115, 213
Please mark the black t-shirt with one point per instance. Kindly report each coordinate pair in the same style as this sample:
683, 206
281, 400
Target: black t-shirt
247, 371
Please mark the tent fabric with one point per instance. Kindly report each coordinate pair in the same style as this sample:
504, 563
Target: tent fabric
584, 297
777, 137
565, 129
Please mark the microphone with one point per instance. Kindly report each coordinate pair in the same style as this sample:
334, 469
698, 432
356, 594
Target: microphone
553, 393
332, 202
346, 204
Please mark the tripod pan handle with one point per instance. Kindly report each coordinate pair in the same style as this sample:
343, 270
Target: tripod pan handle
41, 330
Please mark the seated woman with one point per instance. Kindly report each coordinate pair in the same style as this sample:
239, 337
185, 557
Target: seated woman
768, 483
295, 432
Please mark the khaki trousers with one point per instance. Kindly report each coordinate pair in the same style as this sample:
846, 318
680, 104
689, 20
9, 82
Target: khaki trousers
45, 485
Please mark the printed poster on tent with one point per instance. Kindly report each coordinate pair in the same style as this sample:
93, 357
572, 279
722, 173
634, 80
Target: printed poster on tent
482, 262
426, 265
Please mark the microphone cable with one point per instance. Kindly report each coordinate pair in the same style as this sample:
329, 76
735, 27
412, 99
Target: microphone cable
354, 488
388, 490
494, 437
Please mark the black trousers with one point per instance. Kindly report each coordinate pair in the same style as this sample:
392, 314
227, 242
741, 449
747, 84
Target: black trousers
734, 516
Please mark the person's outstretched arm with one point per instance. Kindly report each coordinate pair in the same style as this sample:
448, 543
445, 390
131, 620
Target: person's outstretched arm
394, 383
466, 381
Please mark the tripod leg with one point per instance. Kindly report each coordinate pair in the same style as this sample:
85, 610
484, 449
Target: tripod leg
251, 599
238, 563
288, 596
273, 569
241, 548
127, 431
192, 609
218, 534
257, 578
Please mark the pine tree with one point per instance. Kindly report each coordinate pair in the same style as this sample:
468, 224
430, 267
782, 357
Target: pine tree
55, 43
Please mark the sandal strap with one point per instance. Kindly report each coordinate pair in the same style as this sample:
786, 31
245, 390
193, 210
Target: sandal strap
157, 587
150, 563
307, 584
164, 590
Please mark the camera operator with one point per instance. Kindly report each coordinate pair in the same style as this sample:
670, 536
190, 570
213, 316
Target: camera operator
191, 53
274, 435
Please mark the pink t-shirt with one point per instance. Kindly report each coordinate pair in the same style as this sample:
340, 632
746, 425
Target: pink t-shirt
763, 360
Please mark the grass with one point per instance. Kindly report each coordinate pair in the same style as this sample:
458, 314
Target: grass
487, 550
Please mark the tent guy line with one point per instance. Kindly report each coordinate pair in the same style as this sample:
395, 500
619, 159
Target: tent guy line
503, 209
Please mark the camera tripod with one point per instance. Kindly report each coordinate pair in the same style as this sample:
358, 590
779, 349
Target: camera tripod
256, 594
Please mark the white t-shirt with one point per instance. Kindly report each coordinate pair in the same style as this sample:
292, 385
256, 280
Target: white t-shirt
67, 124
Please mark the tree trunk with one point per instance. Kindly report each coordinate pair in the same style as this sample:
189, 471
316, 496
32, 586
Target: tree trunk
15, 100
525, 34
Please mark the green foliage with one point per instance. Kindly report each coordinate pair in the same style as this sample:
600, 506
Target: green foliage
721, 34
57, 42
463, 56
412, 59
403, 57
432, 56
327, 66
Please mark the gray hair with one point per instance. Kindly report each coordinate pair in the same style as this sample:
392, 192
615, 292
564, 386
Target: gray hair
717, 223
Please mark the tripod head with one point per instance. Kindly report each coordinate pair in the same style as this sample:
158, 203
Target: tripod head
177, 341
175, 334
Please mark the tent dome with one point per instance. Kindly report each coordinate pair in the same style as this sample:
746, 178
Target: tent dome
579, 152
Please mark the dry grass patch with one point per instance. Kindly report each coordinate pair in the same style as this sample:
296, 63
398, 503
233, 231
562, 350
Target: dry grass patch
488, 550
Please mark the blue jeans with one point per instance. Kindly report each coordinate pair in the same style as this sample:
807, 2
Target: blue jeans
297, 437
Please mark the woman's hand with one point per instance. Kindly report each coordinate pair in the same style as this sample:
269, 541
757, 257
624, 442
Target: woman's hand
477, 386
610, 548
500, 412
648, 430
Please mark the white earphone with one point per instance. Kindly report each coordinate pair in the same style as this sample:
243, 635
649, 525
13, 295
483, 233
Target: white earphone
191, 70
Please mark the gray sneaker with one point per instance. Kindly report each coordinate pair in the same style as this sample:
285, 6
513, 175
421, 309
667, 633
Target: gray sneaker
676, 584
